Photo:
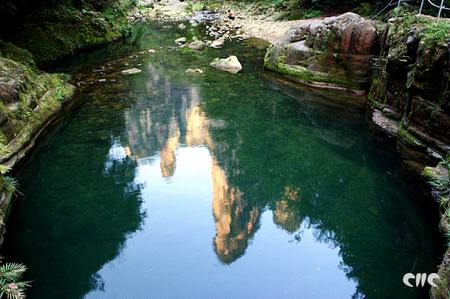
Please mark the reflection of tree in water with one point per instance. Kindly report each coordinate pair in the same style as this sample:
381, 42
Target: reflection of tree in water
81, 208
289, 157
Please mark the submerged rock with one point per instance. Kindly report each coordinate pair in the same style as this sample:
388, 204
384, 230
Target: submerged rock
131, 71
181, 40
218, 43
182, 26
197, 45
194, 71
230, 64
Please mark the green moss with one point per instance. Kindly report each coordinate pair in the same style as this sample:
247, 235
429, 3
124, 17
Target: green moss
438, 178
40, 96
311, 13
10, 51
308, 76
439, 181
375, 104
186, 50
428, 173
432, 30
199, 6
408, 138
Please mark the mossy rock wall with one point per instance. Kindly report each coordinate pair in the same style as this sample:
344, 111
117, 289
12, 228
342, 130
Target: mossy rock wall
411, 84
28, 101
410, 97
28, 98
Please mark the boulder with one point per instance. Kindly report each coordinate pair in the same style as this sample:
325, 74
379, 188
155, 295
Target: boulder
230, 64
334, 52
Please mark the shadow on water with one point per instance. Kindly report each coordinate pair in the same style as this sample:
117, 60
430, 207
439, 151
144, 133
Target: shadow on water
120, 202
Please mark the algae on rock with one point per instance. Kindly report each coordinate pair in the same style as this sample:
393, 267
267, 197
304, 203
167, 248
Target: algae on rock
333, 52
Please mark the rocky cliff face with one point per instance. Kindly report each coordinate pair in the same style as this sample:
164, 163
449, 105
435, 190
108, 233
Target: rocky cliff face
27, 99
405, 66
330, 53
410, 90
410, 99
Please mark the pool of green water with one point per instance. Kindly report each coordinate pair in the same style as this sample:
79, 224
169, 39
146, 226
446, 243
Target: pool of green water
214, 185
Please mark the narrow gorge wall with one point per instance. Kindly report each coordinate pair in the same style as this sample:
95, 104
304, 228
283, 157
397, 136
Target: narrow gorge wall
404, 67
410, 100
410, 89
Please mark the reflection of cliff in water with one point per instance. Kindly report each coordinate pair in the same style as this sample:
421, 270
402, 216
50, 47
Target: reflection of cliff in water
172, 117
236, 220
319, 178
341, 199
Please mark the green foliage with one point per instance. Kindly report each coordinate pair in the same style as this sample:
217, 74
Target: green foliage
439, 182
60, 28
437, 30
4, 169
198, 6
433, 30
10, 51
312, 13
11, 286
9, 184
366, 9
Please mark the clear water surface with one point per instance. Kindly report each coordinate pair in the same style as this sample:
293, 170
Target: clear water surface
167, 185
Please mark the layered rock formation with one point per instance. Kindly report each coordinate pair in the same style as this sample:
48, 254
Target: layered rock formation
331, 53
410, 98
409, 92
405, 66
